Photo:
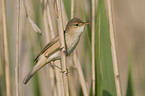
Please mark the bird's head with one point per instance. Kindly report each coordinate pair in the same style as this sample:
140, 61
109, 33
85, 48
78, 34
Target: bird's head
76, 25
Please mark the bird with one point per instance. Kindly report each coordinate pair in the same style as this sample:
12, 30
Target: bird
51, 51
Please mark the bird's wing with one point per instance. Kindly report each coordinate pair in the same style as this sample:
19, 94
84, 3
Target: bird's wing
50, 48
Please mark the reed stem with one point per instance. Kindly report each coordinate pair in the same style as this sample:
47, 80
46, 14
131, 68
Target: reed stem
17, 50
63, 55
93, 46
113, 50
6, 54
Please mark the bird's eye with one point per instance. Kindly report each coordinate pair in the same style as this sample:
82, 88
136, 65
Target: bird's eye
77, 24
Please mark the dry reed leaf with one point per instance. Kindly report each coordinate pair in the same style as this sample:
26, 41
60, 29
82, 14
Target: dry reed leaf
34, 26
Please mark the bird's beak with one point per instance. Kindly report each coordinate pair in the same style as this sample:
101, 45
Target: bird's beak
87, 22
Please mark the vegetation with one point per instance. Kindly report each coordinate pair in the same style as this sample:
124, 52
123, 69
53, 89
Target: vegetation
92, 67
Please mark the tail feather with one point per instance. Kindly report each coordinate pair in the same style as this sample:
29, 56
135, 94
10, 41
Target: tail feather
41, 62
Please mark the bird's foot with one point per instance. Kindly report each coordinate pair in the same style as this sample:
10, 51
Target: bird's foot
62, 71
62, 48
66, 72
53, 64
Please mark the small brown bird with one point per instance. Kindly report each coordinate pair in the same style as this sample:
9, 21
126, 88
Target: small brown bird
51, 51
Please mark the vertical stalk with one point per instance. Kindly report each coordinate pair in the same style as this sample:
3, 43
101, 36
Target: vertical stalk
63, 56
50, 21
6, 56
72, 87
17, 50
45, 21
72, 9
58, 79
48, 70
113, 50
80, 73
77, 62
2, 90
56, 70
93, 46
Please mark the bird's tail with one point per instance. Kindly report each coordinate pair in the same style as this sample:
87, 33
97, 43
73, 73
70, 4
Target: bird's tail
41, 62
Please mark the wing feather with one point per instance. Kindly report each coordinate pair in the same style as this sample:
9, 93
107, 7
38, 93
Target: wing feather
54, 43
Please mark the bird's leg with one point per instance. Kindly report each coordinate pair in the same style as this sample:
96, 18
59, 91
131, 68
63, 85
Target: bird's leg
53, 64
62, 48
67, 72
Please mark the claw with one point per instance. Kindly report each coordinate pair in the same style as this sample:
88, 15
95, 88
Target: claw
66, 72
62, 71
61, 48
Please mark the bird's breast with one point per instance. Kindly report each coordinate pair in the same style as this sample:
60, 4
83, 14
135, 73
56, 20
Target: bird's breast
71, 42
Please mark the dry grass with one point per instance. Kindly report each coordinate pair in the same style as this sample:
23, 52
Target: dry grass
6, 54
113, 50
93, 46
63, 56
17, 50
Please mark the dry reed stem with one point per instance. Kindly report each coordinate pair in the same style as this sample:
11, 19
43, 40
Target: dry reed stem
63, 55
1, 68
80, 73
58, 79
77, 62
34, 26
50, 21
113, 50
72, 87
48, 37
64, 16
57, 71
93, 47
45, 22
72, 9
49, 33
5, 43
17, 50
2, 90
